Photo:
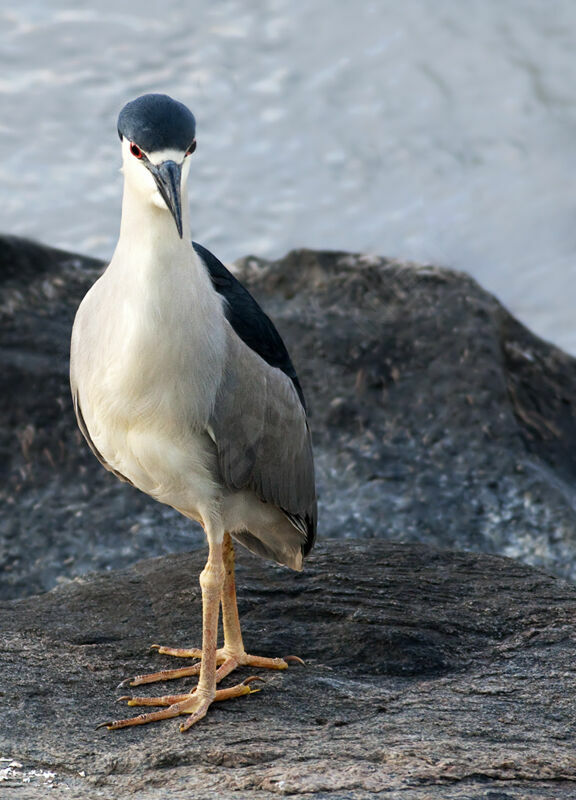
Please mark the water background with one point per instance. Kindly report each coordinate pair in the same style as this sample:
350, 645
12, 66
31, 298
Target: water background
442, 131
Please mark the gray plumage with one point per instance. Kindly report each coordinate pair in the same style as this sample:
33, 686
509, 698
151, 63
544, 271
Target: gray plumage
167, 393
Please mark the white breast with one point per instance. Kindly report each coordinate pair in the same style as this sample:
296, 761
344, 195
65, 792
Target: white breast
147, 350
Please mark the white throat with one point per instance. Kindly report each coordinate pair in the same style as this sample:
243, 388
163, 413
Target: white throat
161, 285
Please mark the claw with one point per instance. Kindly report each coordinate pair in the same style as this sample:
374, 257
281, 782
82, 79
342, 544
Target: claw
252, 678
296, 659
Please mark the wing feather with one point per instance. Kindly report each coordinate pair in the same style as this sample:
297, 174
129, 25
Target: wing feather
262, 437
249, 321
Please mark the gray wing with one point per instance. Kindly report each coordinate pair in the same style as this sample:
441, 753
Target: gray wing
262, 437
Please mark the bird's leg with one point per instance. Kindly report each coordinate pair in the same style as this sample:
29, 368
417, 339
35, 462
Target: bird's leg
233, 650
232, 654
197, 702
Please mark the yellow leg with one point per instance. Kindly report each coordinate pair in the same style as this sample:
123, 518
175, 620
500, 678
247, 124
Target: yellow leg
233, 651
230, 656
196, 703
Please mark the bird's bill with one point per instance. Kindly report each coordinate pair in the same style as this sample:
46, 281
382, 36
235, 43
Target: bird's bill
168, 176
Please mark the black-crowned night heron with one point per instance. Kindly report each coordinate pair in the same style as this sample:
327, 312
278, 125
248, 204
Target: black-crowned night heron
183, 387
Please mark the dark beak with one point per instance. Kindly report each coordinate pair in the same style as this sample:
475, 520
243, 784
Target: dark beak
168, 175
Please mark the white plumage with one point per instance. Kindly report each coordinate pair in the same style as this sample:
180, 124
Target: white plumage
186, 391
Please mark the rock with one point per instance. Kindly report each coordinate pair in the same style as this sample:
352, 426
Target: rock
437, 417
430, 676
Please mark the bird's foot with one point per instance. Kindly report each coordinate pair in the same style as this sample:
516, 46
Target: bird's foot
228, 661
196, 705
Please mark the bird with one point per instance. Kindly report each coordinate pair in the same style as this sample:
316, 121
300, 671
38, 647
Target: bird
183, 387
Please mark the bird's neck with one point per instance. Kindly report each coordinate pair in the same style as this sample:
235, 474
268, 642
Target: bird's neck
156, 285
150, 229
157, 270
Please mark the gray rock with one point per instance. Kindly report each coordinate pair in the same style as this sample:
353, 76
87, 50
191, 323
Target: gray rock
430, 675
437, 418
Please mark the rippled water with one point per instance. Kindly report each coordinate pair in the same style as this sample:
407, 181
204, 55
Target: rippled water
441, 132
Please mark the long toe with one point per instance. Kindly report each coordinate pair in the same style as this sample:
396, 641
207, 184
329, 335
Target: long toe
266, 663
223, 654
191, 704
175, 705
172, 674
227, 662
162, 675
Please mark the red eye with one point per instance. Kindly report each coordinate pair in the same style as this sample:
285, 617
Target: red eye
191, 148
135, 150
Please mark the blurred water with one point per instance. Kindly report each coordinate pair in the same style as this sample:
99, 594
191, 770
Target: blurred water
440, 132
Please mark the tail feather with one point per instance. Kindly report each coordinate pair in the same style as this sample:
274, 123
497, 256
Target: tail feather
282, 552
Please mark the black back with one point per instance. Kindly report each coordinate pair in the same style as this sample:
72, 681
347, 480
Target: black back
251, 324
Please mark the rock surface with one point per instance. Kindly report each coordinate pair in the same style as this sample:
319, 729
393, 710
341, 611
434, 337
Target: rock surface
430, 676
436, 417
438, 420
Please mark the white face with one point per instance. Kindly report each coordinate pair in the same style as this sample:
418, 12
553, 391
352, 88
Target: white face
140, 178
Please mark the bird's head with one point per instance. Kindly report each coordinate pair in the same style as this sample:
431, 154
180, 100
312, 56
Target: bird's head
157, 135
